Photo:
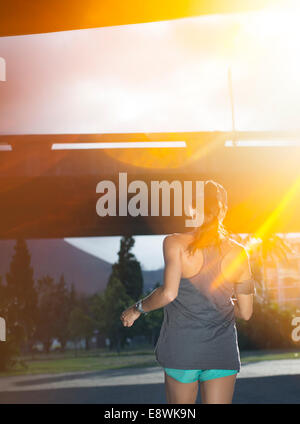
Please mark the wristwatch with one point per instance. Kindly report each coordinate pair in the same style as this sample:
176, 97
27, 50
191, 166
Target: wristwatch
139, 307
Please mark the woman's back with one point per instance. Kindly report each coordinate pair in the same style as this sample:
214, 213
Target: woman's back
198, 331
192, 264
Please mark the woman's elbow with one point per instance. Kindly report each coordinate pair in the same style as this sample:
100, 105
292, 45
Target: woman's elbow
170, 296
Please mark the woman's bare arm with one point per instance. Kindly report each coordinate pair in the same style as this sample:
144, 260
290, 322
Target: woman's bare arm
166, 293
245, 312
243, 302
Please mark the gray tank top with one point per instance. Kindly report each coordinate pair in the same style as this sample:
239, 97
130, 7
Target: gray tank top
198, 330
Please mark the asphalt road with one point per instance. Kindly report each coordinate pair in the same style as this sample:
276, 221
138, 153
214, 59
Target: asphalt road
266, 382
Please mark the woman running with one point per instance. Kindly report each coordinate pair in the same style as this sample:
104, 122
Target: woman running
207, 283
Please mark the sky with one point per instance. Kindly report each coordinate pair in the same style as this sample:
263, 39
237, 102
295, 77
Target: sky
157, 76
147, 249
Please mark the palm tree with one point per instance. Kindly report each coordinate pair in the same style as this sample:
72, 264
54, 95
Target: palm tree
272, 248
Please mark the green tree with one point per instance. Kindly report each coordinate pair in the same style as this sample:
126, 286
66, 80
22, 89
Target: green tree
47, 309
80, 326
14, 333
21, 293
128, 269
64, 303
97, 311
114, 302
9, 347
85, 303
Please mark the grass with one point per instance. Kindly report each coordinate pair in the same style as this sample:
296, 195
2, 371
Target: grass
100, 360
269, 356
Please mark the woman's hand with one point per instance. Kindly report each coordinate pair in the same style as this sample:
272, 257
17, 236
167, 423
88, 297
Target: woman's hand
129, 316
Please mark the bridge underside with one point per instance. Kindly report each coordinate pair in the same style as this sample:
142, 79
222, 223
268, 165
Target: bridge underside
52, 193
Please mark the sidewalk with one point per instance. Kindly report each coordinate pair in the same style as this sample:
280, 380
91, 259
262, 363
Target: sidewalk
275, 381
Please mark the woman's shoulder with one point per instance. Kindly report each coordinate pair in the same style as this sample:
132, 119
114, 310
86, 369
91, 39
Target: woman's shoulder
179, 238
176, 240
234, 247
172, 238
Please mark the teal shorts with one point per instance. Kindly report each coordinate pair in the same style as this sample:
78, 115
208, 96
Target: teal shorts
190, 376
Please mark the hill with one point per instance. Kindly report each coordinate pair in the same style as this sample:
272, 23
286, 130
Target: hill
88, 273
